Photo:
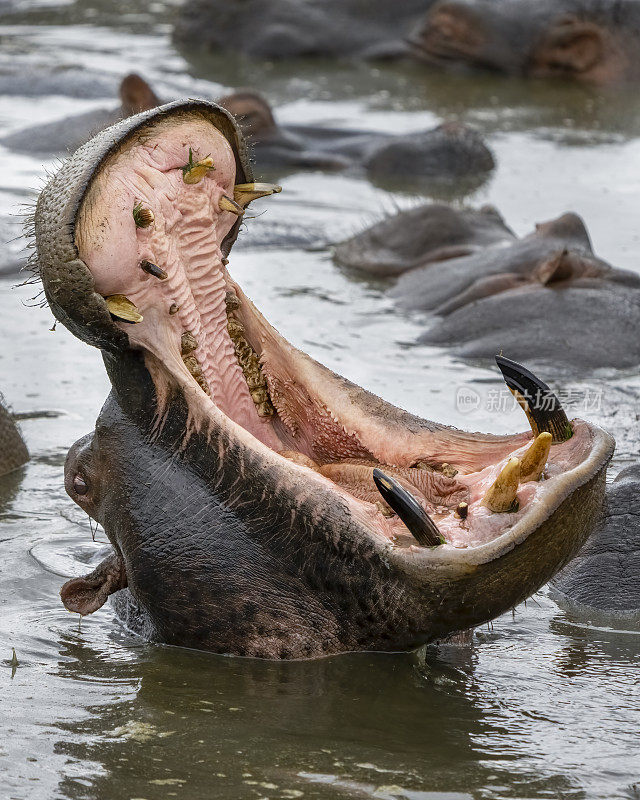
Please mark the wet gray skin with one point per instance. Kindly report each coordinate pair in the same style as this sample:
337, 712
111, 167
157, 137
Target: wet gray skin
248, 522
547, 294
595, 41
67, 134
279, 29
451, 152
13, 451
605, 575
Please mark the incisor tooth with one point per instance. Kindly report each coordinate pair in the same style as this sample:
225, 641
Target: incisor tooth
227, 204
534, 460
245, 193
121, 307
502, 495
194, 172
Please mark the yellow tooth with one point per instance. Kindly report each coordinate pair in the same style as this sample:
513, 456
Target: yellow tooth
535, 458
502, 494
227, 204
245, 193
122, 308
195, 172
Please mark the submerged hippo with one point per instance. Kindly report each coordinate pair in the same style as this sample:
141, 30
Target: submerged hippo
547, 294
450, 152
67, 134
258, 503
596, 41
13, 451
278, 29
605, 575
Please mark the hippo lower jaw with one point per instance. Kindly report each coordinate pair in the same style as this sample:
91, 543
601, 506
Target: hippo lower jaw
284, 449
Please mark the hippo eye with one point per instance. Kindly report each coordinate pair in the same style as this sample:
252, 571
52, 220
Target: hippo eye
80, 485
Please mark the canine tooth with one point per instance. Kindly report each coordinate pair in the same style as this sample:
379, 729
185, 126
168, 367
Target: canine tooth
227, 204
536, 399
194, 172
534, 460
154, 269
419, 523
143, 217
121, 307
245, 193
188, 343
502, 495
462, 511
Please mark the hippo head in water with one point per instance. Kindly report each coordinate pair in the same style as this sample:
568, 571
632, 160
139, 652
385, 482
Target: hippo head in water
257, 503
589, 40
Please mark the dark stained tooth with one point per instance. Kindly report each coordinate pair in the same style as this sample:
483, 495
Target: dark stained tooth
191, 363
225, 261
188, 343
231, 301
154, 269
419, 523
143, 217
462, 510
538, 402
173, 309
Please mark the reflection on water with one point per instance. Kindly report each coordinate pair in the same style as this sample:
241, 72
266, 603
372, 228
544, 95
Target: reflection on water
543, 705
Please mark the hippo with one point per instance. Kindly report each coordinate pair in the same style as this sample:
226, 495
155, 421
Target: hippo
257, 503
280, 29
450, 152
65, 135
605, 575
13, 450
594, 41
546, 294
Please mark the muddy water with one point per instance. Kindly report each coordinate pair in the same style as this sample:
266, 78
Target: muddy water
544, 705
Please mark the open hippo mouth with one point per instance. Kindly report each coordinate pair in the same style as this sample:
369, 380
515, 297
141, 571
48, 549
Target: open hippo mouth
257, 502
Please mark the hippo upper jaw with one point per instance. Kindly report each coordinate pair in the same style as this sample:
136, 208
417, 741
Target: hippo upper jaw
132, 239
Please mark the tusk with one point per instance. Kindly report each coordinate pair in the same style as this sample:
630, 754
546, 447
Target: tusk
121, 307
534, 460
502, 495
421, 526
536, 399
227, 204
195, 172
154, 269
245, 193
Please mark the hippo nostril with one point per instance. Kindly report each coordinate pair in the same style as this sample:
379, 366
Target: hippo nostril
80, 486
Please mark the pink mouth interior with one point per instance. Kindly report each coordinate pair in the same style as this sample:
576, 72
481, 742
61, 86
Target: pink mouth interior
315, 424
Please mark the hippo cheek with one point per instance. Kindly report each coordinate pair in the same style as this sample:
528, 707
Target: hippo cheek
301, 513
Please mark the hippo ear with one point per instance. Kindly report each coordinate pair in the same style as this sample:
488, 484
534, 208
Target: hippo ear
87, 594
571, 46
136, 95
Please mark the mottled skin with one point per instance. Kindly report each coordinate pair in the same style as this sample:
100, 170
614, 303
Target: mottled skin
595, 41
224, 545
547, 294
13, 451
605, 575
278, 29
